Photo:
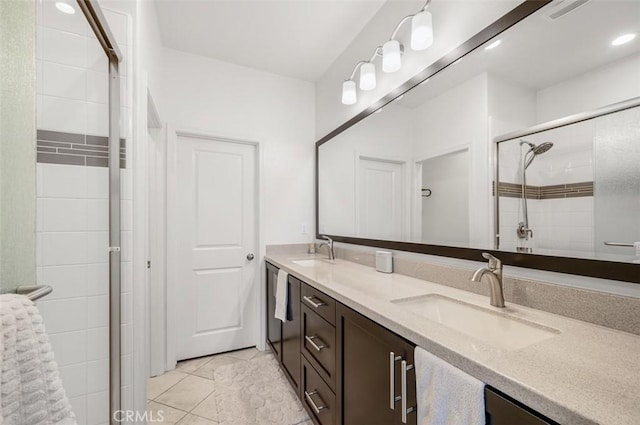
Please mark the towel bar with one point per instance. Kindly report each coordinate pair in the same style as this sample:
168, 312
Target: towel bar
34, 292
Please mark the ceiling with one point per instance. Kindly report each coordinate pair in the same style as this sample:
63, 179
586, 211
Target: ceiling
296, 38
539, 52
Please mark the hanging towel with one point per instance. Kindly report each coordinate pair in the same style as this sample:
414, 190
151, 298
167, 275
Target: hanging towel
445, 394
282, 295
31, 391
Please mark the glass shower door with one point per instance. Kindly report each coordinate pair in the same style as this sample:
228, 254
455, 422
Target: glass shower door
75, 201
617, 184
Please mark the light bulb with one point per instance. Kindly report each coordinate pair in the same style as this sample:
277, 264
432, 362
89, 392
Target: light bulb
391, 61
65, 8
493, 45
368, 76
623, 39
421, 30
349, 92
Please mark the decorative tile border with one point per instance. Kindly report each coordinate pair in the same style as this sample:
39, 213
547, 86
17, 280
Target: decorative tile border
570, 190
54, 147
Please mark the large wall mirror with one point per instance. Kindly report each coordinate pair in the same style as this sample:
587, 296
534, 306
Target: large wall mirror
529, 144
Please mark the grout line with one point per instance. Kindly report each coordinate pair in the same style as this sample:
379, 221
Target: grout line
154, 399
166, 405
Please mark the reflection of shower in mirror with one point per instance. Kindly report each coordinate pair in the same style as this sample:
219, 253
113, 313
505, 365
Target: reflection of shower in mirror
524, 231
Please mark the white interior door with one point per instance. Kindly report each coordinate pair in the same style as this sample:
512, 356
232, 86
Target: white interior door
380, 199
214, 237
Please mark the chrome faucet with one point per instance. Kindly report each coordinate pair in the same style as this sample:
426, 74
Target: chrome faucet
494, 273
328, 244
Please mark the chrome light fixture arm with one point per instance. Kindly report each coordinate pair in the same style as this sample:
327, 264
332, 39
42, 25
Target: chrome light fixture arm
406, 18
376, 52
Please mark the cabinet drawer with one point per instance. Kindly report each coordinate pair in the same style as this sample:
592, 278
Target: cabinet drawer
319, 302
317, 396
319, 344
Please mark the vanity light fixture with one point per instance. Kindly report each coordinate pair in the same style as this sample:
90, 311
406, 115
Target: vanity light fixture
623, 39
65, 7
493, 45
349, 92
391, 52
367, 76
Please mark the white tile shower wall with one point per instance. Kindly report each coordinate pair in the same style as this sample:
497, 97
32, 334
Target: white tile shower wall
558, 224
72, 216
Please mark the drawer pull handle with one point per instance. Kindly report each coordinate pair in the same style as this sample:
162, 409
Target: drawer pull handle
403, 377
313, 404
392, 380
310, 340
313, 303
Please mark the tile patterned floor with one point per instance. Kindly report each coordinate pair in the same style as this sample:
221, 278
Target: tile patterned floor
244, 387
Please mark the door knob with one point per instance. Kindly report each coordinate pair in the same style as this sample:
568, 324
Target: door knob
250, 257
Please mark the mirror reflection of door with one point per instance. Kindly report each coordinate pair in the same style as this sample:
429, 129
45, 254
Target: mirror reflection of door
445, 205
380, 189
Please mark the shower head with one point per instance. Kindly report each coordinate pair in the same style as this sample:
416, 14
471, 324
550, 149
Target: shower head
542, 148
534, 150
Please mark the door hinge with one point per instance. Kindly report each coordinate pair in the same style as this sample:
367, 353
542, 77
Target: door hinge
148, 264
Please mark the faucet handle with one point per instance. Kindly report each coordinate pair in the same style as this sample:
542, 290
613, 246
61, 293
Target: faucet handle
494, 263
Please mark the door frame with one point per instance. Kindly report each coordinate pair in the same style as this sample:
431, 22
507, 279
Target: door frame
172, 171
156, 248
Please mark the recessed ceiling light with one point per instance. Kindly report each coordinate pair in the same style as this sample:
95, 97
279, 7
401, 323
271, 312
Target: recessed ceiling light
425, 82
458, 61
65, 8
493, 45
623, 39
378, 111
400, 97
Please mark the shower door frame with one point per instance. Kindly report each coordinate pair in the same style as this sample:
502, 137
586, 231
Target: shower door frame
550, 125
98, 23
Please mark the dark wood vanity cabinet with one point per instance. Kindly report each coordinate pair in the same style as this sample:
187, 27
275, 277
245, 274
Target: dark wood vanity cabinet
370, 372
503, 410
291, 335
274, 326
347, 369
284, 337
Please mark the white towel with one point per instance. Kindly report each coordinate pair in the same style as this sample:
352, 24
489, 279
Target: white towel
282, 295
445, 394
31, 391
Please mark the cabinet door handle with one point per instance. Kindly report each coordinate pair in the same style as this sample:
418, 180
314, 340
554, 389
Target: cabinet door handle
313, 303
313, 404
403, 377
392, 380
311, 340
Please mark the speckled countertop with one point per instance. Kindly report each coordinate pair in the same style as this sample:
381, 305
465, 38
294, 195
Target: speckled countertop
587, 374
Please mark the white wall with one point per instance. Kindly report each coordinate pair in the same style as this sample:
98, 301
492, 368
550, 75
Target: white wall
455, 119
385, 135
445, 212
602, 86
454, 22
226, 100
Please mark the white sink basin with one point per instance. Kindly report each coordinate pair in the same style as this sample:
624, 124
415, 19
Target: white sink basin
311, 262
492, 328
